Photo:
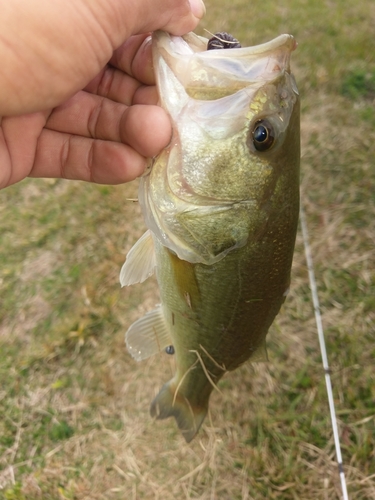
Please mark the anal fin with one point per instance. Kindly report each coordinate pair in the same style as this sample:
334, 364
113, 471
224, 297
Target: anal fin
148, 335
140, 261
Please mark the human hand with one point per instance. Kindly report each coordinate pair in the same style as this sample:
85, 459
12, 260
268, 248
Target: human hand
78, 99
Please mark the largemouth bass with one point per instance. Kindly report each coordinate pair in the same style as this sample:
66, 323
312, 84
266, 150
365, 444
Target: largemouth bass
221, 204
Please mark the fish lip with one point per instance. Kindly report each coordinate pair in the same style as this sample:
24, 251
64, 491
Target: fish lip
284, 40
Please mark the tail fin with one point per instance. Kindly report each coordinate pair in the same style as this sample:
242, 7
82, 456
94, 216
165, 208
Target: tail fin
168, 404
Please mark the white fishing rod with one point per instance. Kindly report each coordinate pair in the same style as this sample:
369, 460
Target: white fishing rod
319, 325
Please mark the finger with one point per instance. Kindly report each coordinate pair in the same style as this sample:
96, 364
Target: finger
114, 85
72, 157
18, 140
146, 94
175, 16
147, 129
120, 87
134, 57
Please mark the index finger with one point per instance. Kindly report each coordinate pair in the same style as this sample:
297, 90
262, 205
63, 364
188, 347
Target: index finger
134, 57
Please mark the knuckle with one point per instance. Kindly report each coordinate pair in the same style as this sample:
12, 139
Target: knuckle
94, 117
64, 157
106, 82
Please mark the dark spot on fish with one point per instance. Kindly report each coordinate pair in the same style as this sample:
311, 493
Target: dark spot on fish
172, 318
263, 135
169, 349
223, 40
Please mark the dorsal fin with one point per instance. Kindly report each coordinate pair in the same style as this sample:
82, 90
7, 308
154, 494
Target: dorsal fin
148, 335
140, 261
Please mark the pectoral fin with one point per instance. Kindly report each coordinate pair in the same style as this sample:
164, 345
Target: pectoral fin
148, 335
140, 261
186, 281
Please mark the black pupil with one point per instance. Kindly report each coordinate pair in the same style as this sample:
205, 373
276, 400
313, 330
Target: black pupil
260, 133
169, 349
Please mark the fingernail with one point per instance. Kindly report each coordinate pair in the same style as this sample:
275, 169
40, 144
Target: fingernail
198, 8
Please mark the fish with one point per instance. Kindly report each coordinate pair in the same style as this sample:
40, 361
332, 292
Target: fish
221, 205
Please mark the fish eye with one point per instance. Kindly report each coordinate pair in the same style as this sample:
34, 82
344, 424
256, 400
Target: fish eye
263, 135
169, 349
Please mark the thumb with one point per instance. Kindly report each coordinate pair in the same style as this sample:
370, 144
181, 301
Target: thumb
140, 16
52, 49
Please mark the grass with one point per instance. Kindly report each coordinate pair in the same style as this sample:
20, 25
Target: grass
74, 406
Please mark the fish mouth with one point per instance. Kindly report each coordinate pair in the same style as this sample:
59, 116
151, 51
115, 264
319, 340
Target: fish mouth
282, 41
226, 71
196, 43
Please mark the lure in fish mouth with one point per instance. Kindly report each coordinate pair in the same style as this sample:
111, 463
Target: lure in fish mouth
221, 204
